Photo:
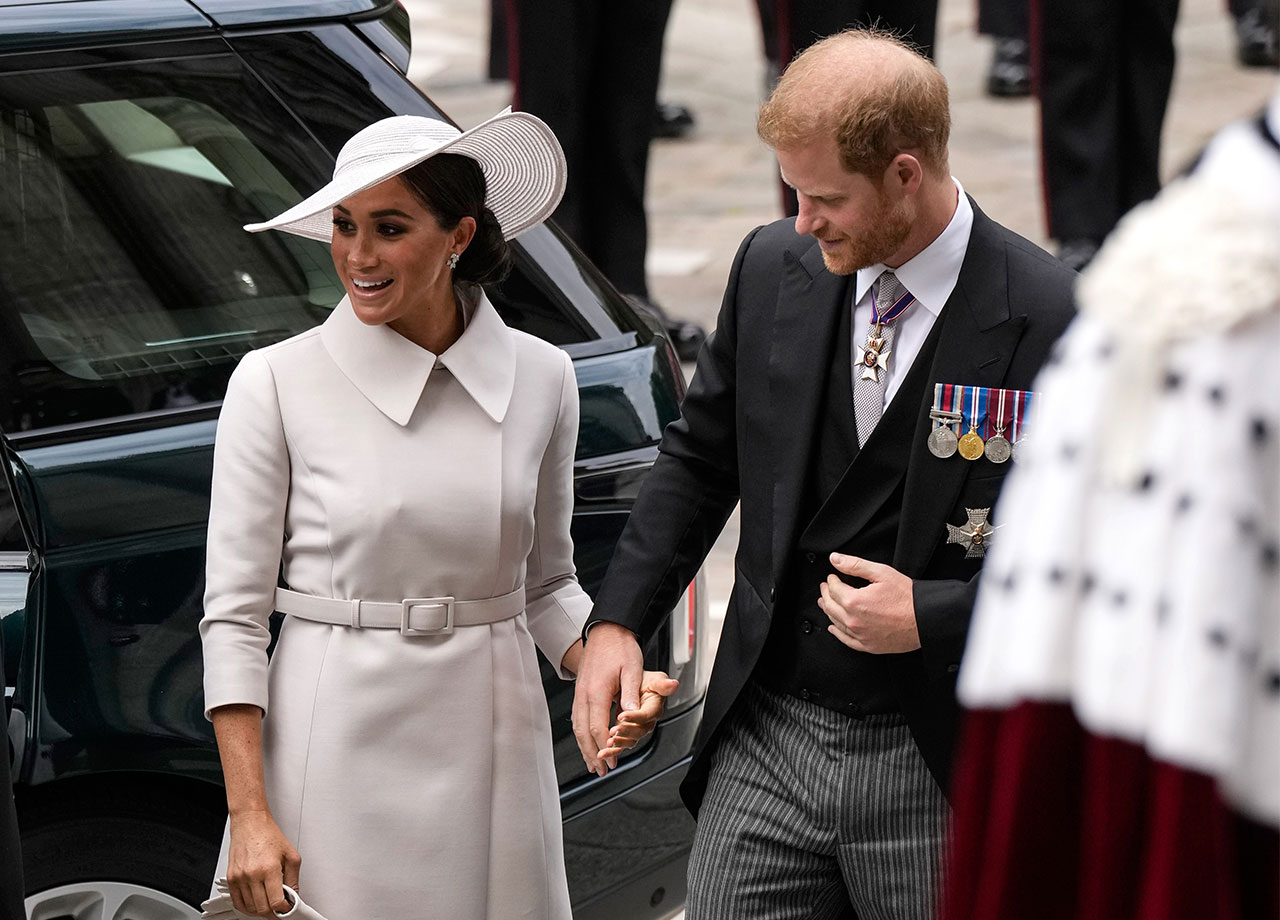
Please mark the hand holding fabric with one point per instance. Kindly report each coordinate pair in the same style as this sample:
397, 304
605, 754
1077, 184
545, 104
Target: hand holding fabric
880, 617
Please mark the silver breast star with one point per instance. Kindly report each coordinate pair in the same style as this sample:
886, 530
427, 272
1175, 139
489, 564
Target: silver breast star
977, 537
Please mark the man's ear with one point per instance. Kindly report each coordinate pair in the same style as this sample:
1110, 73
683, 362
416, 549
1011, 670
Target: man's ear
903, 176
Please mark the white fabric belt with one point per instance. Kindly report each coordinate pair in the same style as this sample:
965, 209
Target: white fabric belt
413, 616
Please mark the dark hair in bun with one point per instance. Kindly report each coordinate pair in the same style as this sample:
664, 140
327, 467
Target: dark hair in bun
451, 187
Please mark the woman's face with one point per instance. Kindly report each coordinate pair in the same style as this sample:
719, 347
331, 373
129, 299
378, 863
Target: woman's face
392, 256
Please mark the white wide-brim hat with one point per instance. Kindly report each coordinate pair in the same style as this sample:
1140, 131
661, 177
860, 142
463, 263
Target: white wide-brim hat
523, 163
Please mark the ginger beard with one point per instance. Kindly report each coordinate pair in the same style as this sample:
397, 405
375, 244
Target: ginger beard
886, 229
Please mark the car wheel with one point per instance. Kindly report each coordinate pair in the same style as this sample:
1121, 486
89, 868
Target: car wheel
103, 866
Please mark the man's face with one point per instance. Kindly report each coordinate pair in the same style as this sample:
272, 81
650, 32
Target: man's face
854, 218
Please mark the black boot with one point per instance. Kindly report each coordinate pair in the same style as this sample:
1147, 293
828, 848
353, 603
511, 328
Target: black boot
1010, 74
671, 120
1257, 44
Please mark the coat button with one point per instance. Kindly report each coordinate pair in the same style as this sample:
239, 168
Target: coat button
804, 694
855, 710
953, 668
806, 627
810, 558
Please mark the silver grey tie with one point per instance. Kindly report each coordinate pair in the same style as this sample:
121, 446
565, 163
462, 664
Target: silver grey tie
871, 358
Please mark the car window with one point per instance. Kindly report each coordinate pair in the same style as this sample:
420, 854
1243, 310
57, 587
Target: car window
127, 283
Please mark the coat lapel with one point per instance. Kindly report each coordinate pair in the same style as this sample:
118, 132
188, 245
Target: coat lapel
806, 317
980, 331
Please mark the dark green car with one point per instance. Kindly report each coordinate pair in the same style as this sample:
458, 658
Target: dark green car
136, 137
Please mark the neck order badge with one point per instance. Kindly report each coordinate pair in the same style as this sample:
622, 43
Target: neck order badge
873, 354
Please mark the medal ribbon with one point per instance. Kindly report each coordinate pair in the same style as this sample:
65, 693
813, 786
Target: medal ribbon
1022, 416
978, 406
899, 307
1000, 422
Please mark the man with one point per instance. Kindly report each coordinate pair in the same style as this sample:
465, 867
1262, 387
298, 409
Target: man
828, 725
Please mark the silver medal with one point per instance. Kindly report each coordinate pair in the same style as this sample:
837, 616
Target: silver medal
943, 442
998, 449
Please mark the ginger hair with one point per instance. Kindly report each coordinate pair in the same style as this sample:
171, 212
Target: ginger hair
872, 92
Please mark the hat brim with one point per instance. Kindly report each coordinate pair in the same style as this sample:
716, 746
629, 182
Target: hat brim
524, 169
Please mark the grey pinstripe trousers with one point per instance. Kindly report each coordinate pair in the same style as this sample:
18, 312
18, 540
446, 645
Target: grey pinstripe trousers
812, 814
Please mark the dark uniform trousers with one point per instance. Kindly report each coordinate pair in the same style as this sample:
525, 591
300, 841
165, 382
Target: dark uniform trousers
1105, 69
590, 70
819, 804
1005, 18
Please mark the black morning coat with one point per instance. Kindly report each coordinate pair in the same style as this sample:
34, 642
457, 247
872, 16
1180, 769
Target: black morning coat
746, 432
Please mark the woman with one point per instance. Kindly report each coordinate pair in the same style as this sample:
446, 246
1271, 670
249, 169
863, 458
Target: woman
407, 466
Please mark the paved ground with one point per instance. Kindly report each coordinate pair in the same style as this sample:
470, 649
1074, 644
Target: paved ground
708, 190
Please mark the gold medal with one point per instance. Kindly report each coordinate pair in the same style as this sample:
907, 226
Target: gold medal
971, 445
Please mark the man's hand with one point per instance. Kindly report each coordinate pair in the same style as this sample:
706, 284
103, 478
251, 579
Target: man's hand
611, 670
879, 618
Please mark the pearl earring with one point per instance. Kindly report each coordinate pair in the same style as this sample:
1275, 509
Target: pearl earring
453, 260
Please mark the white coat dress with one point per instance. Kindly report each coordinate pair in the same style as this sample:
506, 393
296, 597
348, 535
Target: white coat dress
413, 774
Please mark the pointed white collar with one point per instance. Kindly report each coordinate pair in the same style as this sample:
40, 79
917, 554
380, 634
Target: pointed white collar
391, 372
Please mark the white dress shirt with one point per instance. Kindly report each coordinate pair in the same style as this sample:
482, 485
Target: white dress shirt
930, 276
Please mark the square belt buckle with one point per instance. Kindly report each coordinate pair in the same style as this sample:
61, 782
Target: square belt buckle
409, 603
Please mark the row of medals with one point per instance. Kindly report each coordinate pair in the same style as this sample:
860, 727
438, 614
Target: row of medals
943, 441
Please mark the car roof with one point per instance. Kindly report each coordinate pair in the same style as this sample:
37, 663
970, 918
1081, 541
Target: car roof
41, 23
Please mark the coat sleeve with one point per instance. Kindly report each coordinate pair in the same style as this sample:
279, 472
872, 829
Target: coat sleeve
246, 535
691, 490
555, 604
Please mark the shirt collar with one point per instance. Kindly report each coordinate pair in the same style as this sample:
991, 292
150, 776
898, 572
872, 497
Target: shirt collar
931, 274
391, 372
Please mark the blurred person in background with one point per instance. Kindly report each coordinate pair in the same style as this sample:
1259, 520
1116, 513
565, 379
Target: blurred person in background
590, 70
1121, 752
1105, 68
1009, 23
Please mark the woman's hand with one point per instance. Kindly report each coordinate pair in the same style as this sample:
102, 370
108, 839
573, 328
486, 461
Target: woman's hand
261, 862
634, 724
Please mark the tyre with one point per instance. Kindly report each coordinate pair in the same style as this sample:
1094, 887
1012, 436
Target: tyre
125, 858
